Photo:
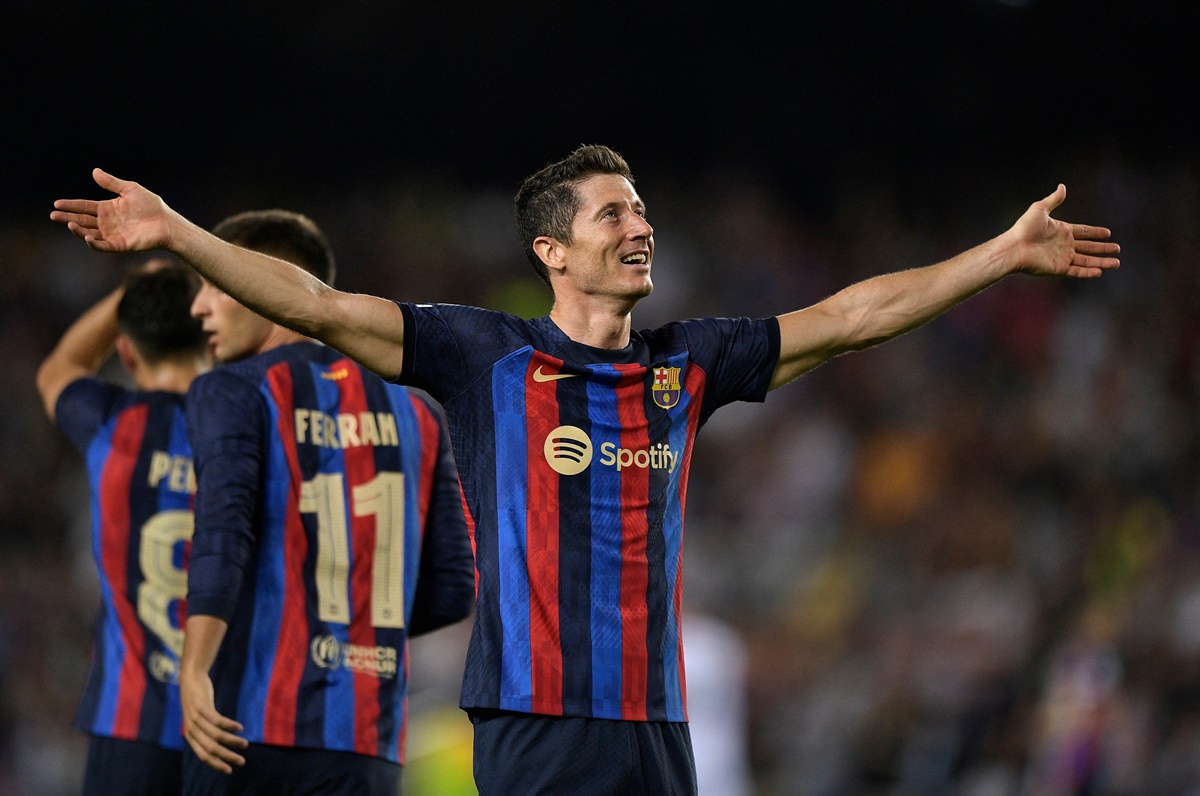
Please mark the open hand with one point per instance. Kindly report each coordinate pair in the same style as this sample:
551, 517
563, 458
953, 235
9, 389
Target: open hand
211, 735
1050, 247
136, 220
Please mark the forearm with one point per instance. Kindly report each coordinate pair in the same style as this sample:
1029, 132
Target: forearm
201, 641
81, 351
274, 288
879, 309
211, 735
368, 329
892, 304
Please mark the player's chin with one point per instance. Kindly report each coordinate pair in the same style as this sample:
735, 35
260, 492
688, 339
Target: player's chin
642, 287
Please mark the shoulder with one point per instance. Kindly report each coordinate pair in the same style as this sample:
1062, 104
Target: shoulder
708, 328
465, 319
89, 391
88, 402
234, 381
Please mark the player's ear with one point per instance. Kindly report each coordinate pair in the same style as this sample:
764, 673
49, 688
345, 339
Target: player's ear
128, 355
550, 251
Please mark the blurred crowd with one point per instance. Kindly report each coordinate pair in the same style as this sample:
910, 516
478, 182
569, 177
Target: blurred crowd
964, 562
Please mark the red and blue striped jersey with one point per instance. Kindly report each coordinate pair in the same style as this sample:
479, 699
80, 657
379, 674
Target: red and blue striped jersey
139, 464
329, 528
575, 463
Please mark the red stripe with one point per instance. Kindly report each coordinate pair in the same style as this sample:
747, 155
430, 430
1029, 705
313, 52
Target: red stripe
291, 651
360, 469
115, 533
635, 529
542, 516
694, 385
470, 530
431, 448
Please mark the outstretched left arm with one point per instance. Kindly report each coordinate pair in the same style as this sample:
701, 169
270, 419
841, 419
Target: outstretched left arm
878, 309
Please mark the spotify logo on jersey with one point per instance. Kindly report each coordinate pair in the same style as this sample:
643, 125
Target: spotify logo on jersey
568, 450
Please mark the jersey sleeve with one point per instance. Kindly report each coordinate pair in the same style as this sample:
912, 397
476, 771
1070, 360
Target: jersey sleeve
83, 407
739, 354
227, 442
448, 346
445, 589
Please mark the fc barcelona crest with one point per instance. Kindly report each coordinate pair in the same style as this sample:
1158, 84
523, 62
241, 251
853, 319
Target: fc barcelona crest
665, 389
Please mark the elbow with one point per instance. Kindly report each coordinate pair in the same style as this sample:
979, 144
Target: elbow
308, 316
48, 387
450, 609
867, 329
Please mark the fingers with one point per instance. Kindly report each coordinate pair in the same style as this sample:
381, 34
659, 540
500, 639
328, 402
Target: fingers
88, 207
1104, 263
1096, 247
211, 736
1055, 199
1086, 231
83, 220
109, 182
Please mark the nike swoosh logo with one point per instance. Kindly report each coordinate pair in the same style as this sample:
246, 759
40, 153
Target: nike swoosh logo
539, 376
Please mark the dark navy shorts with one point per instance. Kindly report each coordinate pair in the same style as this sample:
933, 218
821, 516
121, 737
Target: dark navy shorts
523, 753
287, 771
131, 768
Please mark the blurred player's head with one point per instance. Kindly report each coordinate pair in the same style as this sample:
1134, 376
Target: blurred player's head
235, 331
153, 313
550, 198
283, 234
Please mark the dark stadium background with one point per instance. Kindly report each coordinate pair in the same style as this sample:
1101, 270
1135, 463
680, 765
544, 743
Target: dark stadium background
784, 150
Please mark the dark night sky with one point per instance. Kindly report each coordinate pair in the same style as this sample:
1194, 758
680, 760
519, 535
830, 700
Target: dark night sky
313, 96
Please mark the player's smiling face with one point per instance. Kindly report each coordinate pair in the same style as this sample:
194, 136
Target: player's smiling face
613, 244
234, 332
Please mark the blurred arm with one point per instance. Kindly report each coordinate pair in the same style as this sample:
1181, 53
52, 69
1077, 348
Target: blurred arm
81, 351
445, 591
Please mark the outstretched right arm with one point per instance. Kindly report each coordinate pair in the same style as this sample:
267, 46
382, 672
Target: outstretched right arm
366, 328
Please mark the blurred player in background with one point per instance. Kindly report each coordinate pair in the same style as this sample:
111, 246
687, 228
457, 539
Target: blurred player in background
139, 465
574, 435
329, 529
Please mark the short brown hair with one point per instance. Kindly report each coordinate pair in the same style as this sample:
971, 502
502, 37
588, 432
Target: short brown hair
548, 199
283, 234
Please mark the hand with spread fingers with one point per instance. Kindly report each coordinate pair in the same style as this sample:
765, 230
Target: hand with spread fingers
135, 220
1049, 247
212, 736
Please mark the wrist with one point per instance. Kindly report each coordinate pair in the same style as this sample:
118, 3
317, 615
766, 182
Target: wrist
1005, 254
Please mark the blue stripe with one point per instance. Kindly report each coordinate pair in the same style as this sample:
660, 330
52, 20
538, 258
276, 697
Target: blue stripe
606, 546
113, 654
412, 445
112, 648
673, 541
508, 400
339, 692
268, 613
170, 734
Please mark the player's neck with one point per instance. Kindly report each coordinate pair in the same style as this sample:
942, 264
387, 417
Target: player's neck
280, 335
595, 326
173, 376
